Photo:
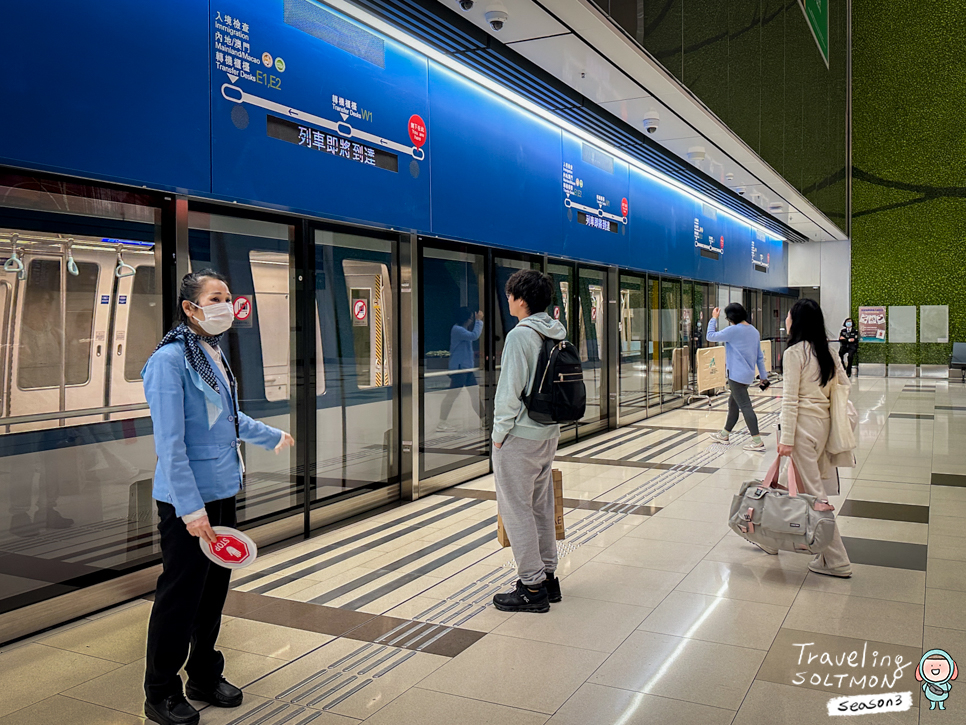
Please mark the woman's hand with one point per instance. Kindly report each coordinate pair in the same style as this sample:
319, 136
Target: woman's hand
784, 450
286, 441
715, 312
498, 445
202, 529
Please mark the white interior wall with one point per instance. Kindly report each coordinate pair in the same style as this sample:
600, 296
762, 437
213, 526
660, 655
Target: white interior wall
828, 266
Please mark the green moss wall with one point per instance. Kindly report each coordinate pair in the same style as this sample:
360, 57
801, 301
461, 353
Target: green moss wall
909, 164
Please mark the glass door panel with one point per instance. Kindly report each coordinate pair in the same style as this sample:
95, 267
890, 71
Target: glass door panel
592, 312
355, 385
672, 351
702, 304
563, 287
452, 376
503, 322
256, 258
633, 349
654, 381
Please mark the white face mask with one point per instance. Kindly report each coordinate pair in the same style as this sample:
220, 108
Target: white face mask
848, 324
218, 317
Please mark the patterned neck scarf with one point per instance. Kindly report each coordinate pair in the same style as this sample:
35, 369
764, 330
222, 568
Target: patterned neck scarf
193, 352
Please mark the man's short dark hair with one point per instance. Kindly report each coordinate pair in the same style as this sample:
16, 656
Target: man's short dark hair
533, 287
735, 313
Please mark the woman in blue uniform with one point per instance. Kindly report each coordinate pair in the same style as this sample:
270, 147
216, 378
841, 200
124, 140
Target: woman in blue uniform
197, 427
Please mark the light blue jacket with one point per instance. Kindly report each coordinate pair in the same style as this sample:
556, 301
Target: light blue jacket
461, 345
194, 432
742, 351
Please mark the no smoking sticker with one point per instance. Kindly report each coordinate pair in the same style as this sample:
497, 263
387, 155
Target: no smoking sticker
360, 310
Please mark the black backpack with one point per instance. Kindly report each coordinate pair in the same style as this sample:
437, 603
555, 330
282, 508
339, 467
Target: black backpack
558, 393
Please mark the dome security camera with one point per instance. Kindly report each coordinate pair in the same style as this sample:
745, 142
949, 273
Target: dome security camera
497, 16
652, 120
740, 190
466, 5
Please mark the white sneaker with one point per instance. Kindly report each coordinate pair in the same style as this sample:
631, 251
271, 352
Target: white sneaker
445, 427
766, 549
718, 437
752, 446
843, 572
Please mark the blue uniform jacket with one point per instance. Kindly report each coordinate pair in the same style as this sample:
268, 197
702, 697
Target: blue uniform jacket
194, 432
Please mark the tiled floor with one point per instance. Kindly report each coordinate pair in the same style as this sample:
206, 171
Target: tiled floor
667, 616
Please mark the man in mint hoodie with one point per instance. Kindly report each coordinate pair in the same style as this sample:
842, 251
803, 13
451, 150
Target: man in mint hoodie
523, 449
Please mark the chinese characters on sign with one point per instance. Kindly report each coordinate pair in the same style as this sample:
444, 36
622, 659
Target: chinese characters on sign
596, 222
760, 261
707, 244
571, 185
314, 139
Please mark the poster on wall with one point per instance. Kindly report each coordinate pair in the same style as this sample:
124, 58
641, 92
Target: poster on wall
872, 324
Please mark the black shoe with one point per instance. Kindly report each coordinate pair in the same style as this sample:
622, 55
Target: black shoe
224, 694
22, 525
553, 588
523, 599
56, 521
173, 710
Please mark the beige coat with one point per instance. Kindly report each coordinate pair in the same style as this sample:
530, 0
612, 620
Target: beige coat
806, 405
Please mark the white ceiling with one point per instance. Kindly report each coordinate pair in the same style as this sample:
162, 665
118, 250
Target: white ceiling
579, 45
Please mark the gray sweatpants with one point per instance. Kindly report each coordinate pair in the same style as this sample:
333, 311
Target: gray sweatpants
524, 495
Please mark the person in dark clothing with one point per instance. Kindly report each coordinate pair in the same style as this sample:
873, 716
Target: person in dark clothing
848, 345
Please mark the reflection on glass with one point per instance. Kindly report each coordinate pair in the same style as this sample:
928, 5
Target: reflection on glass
76, 452
592, 346
633, 348
255, 257
654, 374
453, 425
354, 332
702, 304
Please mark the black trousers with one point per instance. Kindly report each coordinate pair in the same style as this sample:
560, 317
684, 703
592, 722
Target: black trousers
848, 359
186, 615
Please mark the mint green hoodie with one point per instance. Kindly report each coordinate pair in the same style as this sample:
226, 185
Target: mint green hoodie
517, 368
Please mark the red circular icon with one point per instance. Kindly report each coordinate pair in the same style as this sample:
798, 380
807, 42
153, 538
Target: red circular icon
624, 207
593, 314
417, 131
359, 309
556, 313
230, 549
243, 308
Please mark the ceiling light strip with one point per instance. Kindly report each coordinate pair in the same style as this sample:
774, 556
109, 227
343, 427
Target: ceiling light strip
422, 48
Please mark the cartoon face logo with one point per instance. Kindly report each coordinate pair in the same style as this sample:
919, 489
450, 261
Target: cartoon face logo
935, 671
267, 59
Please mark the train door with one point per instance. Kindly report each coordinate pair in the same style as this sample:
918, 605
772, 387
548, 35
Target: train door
135, 331
592, 324
672, 345
58, 354
454, 440
633, 401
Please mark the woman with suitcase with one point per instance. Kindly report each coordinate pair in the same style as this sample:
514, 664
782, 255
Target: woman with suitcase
810, 370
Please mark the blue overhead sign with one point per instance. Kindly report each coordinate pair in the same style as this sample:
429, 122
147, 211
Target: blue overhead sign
289, 104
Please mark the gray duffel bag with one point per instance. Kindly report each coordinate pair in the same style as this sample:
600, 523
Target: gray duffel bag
782, 519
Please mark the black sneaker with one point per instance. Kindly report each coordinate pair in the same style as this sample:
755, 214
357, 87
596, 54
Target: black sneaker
553, 588
22, 525
173, 710
523, 599
223, 694
56, 521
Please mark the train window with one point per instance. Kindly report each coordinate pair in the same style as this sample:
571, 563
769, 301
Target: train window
270, 273
142, 324
44, 327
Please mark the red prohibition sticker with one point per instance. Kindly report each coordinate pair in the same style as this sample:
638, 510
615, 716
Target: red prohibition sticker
232, 550
593, 314
417, 131
556, 313
243, 308
624, 207
359, 310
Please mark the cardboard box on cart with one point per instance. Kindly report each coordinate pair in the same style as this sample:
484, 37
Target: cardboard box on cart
558, 516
